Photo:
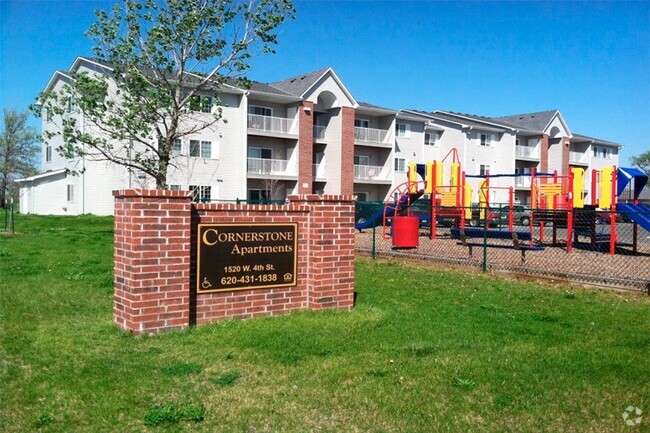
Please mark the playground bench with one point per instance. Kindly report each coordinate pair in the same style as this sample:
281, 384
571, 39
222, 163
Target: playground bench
516, 237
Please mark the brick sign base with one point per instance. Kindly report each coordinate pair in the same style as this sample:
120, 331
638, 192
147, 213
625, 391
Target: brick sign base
156, 249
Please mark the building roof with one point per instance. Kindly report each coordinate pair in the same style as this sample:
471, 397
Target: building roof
42, 175
534, 121
580, 137
299, 84
365, 107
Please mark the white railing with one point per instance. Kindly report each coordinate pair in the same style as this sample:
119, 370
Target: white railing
369, 172
370, 134
280, 125
319, 132
523, 182
526, 152
270, 166
319, 171
578, 157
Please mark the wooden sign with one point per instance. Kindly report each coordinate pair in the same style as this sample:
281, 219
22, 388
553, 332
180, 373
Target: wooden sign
246, 256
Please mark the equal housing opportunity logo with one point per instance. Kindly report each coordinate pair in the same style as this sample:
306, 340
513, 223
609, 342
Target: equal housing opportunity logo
632, 416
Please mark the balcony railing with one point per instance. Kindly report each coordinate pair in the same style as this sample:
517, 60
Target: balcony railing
578, 158
279, 125
526, 152
370, 135
370, 172
522, 182
319, 171
319, 132
270, 166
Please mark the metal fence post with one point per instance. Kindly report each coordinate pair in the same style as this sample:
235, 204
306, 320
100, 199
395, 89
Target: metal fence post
485, 228
374, 242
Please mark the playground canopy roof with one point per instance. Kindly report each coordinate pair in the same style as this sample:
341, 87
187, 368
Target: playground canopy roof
625, 175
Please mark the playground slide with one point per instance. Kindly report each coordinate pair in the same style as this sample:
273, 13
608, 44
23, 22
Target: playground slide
378, 217
638, 213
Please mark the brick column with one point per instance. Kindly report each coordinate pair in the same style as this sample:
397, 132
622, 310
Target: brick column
152, 260
566, 146
543, 165
330, 276
347, 150
305, 147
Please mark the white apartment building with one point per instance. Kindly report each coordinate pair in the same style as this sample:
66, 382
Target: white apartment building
308, 134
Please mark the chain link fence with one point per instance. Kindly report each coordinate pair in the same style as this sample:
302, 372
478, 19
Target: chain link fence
586, 246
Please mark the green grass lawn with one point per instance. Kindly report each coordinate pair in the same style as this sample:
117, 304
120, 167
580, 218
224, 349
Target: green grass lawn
425, 350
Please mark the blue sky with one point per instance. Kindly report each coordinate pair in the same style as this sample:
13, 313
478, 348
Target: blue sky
590, 60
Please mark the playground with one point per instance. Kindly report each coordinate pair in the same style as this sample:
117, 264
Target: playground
442, 213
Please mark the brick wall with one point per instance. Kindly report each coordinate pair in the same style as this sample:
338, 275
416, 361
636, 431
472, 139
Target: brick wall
305, 147
155, 259
347, 150
565, 155
152, 260
543, 166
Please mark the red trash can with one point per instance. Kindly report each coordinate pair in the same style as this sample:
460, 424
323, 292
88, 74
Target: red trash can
406, 232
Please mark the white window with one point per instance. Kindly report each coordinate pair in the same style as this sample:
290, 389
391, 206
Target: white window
259, 194
483, 169
176, 147
361, 160
260, 153
361, 123
201, 103
174, 187
201, 193
48, 153
206, 149
595, 149
72, 103
201, 149
603, 153
403, 130
70, 193
400, 164
430, 138
517, 142
260, 111
361, 196
486, 140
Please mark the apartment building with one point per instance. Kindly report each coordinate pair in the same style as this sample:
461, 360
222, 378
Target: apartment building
308, 134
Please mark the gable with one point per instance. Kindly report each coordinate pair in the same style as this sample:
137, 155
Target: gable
557, 128
331, 90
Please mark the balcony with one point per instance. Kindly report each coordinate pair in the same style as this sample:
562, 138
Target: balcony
372, 136
522, 182
371, 173
319, 171
268, 125
580, 158
270, 167
319, 133
526, 152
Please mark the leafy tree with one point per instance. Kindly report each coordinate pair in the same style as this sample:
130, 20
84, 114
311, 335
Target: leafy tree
18, 149
642, 161
163, 59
